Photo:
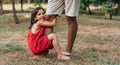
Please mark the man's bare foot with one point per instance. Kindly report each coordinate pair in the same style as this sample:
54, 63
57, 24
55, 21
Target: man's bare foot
66, 53
63, 57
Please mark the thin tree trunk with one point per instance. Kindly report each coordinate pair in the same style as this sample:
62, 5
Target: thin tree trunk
16, 1
21, 5
1, 7
110, 16
89, 11
118, 7
85, 5
14, 12
43, 1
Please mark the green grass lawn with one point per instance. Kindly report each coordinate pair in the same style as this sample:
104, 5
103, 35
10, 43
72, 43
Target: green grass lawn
97, 42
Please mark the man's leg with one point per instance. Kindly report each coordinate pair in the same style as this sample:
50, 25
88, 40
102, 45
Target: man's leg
72, 31
49, 30
54, 7
50, 18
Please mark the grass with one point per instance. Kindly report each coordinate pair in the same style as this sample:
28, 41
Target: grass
6, 48
97, 42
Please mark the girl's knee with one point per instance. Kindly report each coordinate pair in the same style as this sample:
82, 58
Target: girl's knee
52, 36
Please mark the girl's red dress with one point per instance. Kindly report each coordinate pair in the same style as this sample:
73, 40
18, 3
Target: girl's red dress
38, 43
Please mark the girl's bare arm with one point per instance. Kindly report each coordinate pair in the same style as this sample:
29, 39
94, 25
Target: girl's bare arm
47, 23
37, 25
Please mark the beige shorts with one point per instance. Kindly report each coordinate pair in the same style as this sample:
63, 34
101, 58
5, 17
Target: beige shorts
57, 6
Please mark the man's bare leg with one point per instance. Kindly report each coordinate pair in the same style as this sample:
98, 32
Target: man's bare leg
49, 30
50, 18
72, 31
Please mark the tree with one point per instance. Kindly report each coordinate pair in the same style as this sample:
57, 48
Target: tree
16, 1
37, 2
21, 5
118, 7
86, 5
108, 8
1, 7
14, 12
43, 1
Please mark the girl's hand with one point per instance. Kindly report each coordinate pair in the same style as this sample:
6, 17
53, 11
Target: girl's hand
47, 23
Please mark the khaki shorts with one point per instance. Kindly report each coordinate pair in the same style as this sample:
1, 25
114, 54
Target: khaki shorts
57, 6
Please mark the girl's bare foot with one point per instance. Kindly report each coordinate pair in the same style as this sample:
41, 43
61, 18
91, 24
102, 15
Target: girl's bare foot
37, 57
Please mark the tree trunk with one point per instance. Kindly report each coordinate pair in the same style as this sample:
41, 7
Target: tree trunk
89, 11
21, 5
110, 16
118, 7
14, 12
43, 1
84, 5
16, 1
1, 7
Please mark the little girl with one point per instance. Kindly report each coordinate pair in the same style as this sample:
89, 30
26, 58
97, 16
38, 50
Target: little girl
37, 41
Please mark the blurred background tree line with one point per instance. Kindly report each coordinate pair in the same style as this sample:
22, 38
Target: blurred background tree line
90, 7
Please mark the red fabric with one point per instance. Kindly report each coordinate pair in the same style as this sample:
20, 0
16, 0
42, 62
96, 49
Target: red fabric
38, 43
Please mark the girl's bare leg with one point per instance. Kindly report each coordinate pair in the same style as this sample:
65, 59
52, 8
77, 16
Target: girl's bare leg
55, 42
56, 46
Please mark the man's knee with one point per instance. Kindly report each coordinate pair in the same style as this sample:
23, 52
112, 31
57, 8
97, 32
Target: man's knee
71, 20
50, 18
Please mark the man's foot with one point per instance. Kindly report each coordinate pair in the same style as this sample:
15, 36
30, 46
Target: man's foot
63, 57
66, 53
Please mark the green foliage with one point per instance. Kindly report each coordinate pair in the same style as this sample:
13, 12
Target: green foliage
97, 2
6, 1
108, 8
32, 1
37, 2
0, 1
85, 4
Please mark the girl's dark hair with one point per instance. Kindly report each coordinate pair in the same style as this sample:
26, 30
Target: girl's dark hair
34, 13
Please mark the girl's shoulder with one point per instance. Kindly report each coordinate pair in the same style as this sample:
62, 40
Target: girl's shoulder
39, 30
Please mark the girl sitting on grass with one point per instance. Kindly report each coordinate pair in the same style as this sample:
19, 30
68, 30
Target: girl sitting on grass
37, 41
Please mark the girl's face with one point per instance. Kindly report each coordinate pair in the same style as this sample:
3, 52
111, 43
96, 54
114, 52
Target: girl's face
40, 15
